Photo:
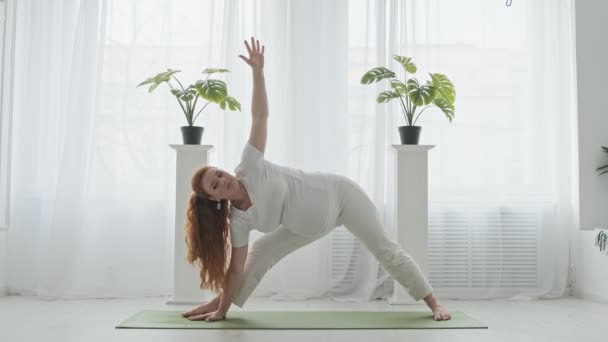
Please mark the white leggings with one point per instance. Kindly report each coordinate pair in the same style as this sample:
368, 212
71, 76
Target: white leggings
359, 215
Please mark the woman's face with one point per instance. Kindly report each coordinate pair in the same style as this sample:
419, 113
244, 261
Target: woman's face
220, 185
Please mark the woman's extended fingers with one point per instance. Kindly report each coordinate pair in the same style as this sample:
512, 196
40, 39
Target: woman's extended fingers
254, 47
248, 48
209, 317
256, 53
245, 59
199, 317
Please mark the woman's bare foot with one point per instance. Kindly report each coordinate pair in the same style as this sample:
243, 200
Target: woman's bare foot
205, 308
440, 313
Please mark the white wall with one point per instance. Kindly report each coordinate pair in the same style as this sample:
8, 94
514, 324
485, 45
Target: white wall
3, 273
590, 266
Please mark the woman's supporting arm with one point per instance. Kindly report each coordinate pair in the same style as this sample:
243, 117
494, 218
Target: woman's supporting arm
234, 280
234, 277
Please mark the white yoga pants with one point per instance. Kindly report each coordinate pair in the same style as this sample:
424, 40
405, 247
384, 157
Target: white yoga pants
359, 215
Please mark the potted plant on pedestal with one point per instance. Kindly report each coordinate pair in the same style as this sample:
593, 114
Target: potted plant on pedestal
413, 96
211, 90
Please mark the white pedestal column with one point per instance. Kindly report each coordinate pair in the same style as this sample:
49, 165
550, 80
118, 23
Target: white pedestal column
408, 206
186, 278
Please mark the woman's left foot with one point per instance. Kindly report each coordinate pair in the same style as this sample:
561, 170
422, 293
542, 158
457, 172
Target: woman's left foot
440, 313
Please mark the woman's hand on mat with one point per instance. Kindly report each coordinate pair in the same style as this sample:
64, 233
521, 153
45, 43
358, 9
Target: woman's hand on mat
203, 309
440, 313
209, 317
256, 54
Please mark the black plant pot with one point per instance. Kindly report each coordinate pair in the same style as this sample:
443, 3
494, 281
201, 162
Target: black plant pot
409, 134
192, 135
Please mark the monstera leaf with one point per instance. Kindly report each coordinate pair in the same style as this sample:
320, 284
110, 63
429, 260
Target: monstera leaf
158, 79
386, 96
213, 71
185, 95
398, 86
376, 74
212, 90
407, 63
233, 104
420, 94
446, 107
445, 88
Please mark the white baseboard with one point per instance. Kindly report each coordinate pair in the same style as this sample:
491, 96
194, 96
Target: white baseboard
3, 291
184, 301
582, 294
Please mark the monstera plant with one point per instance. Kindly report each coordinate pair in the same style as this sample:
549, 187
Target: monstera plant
413, 96
210, 90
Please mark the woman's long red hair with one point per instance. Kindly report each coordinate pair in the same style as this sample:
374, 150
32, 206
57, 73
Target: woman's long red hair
208, 235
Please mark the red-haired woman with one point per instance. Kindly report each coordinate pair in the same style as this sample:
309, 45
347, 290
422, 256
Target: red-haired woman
293, 208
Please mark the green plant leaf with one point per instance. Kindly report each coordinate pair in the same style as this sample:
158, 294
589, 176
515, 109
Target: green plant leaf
605, 149
212, 90
420, 95
158, 79
152, 87
398, 86
146, 81
212, 71
376, 74
386, 96
445, 88
176, 92
233, 104
165, 76
407, 63
187, 97
446, 107
191, 90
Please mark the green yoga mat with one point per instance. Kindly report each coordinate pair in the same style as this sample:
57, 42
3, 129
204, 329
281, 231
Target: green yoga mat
163, 319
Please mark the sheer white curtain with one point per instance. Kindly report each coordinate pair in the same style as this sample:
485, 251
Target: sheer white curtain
501, 204
93, 186
56, 247
94, 176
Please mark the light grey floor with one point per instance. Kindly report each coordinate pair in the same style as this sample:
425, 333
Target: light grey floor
568, 319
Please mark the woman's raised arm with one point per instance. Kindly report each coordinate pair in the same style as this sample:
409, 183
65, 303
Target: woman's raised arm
259, 101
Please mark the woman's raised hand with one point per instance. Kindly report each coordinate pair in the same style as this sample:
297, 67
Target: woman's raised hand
256, 54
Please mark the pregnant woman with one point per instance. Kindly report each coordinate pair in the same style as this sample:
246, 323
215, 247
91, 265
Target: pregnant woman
294, 208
